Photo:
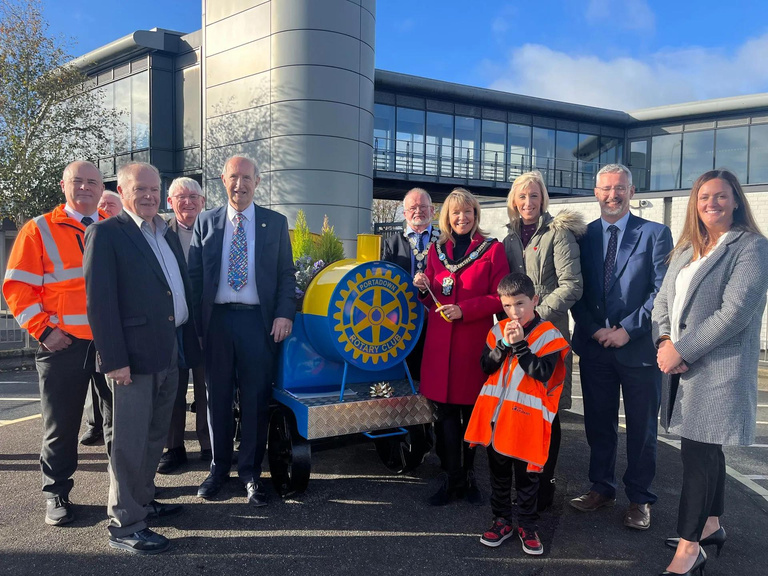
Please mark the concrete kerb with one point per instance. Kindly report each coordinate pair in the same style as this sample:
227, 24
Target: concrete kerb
19, 359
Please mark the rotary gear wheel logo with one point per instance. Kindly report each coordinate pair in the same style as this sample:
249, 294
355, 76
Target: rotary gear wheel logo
376, 314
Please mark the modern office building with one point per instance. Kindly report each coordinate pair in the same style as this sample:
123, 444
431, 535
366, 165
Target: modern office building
292, 84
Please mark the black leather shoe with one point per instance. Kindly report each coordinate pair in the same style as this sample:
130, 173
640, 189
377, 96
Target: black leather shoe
717, 538
172, 460
257, 496
156, 509
211, 486
92, 436
58, 511
698, 564
141, 542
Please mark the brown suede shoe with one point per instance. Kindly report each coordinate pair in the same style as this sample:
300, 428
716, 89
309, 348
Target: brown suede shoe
592, 501
638, 516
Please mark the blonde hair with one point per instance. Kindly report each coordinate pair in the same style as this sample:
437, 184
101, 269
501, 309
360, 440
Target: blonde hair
460, 197
694, 232
522, 182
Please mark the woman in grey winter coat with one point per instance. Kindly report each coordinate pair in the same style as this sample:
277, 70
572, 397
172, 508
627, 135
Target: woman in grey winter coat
546, 249
706, 322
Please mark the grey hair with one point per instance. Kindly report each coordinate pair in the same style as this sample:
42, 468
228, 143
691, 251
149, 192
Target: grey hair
420, 191
125, 171
615, 169
244, 157
185, 183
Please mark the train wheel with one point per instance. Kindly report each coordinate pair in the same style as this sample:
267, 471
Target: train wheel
404, 453
289, 454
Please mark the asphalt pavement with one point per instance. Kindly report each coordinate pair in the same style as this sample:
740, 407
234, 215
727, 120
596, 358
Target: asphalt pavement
358, 518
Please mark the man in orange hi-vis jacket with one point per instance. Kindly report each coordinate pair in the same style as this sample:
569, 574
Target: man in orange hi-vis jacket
45, 290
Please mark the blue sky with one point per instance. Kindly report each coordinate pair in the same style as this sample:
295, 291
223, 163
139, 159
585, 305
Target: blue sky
622, 54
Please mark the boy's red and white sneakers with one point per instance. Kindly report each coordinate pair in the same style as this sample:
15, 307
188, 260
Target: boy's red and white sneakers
531, 543
499, 531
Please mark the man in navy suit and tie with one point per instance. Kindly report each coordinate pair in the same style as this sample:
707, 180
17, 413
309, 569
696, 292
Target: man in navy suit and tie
623, 261
243, 285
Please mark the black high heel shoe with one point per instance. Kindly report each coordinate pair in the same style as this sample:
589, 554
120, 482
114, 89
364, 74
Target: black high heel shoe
701, 560
717, 538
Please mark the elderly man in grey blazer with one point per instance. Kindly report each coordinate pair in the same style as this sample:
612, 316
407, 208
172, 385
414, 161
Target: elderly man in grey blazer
706, 322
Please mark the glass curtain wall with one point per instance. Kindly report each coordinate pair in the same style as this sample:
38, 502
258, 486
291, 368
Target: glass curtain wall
566, 163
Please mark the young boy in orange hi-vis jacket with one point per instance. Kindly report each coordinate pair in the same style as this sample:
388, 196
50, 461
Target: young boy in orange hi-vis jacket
525, 360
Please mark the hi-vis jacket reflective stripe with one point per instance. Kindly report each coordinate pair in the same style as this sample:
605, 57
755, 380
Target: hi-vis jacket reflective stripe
521, 407
44, 284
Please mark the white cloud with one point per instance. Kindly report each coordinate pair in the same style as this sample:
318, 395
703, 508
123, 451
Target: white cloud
666, 77
622, 14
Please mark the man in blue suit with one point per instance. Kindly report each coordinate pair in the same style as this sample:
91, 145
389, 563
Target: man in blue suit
243, 283
623, 261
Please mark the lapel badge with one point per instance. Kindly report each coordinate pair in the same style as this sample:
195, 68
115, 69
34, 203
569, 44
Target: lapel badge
263, 224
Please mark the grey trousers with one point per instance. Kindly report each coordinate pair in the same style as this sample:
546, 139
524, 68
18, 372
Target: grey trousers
140, 419
179, 417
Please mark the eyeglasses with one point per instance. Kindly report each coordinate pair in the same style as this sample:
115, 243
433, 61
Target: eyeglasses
620, 189
190, 197
422, 207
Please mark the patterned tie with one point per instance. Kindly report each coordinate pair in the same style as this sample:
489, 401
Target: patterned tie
237, 273
610, 257
87, 221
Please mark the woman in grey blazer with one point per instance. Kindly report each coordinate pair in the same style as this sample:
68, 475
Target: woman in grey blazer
546, 249
706, 321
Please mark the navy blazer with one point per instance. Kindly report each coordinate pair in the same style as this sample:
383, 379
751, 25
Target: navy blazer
641, 262
273, 258
129, 302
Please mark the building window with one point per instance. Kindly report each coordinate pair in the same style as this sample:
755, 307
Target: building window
543, 153
466, 148
494, 143
665, 161
519, 146
439, 151
698, 155
731, 150
384, 137
758, 152
409, 149
566, 163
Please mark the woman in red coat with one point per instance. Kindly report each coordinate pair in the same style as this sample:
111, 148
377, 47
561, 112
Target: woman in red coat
463, 270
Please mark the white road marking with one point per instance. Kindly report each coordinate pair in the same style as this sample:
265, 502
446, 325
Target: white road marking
31, 398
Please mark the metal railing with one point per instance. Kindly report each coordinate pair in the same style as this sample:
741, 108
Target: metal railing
472, 163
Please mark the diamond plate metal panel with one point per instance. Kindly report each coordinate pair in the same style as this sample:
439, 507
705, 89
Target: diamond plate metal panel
361, 413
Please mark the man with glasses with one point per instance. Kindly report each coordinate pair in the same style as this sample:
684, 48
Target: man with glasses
623, 262
409, 251
186, 199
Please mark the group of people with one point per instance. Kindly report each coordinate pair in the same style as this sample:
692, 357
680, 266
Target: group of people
126, 301
647, 327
